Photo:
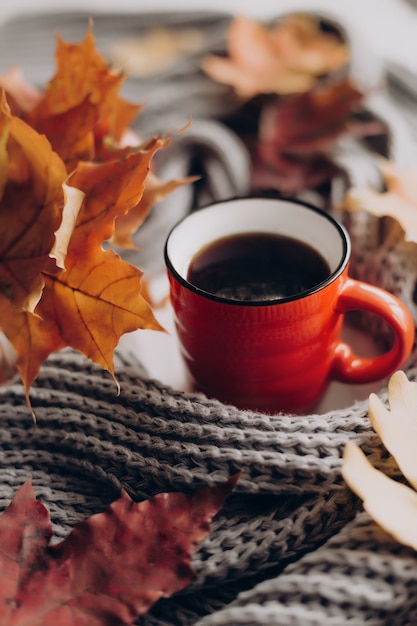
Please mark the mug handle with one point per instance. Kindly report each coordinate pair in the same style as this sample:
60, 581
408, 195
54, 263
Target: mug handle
357, 295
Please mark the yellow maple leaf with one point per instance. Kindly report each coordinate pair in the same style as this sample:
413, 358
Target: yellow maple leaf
286, 58
97, 298
392, 504
31, 209
66, 176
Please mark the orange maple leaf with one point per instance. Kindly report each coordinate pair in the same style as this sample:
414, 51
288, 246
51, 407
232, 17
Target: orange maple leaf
82, 75
97, 298
285, 58
58, 285
85, 119
154, 191
398, 200
31, 207
70, 132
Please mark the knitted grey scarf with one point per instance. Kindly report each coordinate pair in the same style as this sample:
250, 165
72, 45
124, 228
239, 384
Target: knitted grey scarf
291, 545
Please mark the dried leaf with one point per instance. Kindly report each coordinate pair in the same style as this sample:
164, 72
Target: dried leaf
155, 51
296, 136
70, 132
60, 195
73, 202
391, 504
111, 568
312, 121
399, 201
31, 209
8, 369
111, 189
24, 330
397, 427
286, 58
4, 139
154, 191
84, 92
98, 296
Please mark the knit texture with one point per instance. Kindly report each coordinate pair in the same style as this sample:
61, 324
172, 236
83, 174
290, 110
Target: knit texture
292, 545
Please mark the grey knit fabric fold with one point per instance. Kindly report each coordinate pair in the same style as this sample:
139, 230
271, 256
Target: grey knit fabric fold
88, 442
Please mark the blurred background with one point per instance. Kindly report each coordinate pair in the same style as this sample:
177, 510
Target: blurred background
389, 25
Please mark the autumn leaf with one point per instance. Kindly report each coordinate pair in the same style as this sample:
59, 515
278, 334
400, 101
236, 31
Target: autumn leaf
83, 75
296, 136
97, 298
8, 369
399, 201
111, 568
310, 122
85, 119
154, 191
156, 50
392, 504
77, 141
286, 58
63, 235
32, 339
4, 140
31, 208
111, 189
68, 175
21, 94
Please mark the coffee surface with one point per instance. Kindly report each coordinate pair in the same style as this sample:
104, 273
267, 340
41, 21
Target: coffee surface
257, 267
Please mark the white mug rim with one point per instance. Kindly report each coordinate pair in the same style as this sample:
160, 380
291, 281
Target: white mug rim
333, 275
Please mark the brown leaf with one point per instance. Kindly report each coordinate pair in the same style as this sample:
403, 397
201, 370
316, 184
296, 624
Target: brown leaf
57, 213
84, 92
286, 58
111, 568
98, 296
8, 369
32, 338
296, 135
399, 201
31, 209
310, 122
111, 189
4, 139
154, 191
70, 132
73, 203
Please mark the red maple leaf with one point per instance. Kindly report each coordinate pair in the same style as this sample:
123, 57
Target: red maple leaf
297, 136
111, 568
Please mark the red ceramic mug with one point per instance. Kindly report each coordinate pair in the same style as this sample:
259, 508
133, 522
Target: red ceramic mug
274, 351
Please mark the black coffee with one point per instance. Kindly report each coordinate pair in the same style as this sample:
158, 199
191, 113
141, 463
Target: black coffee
257, 267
